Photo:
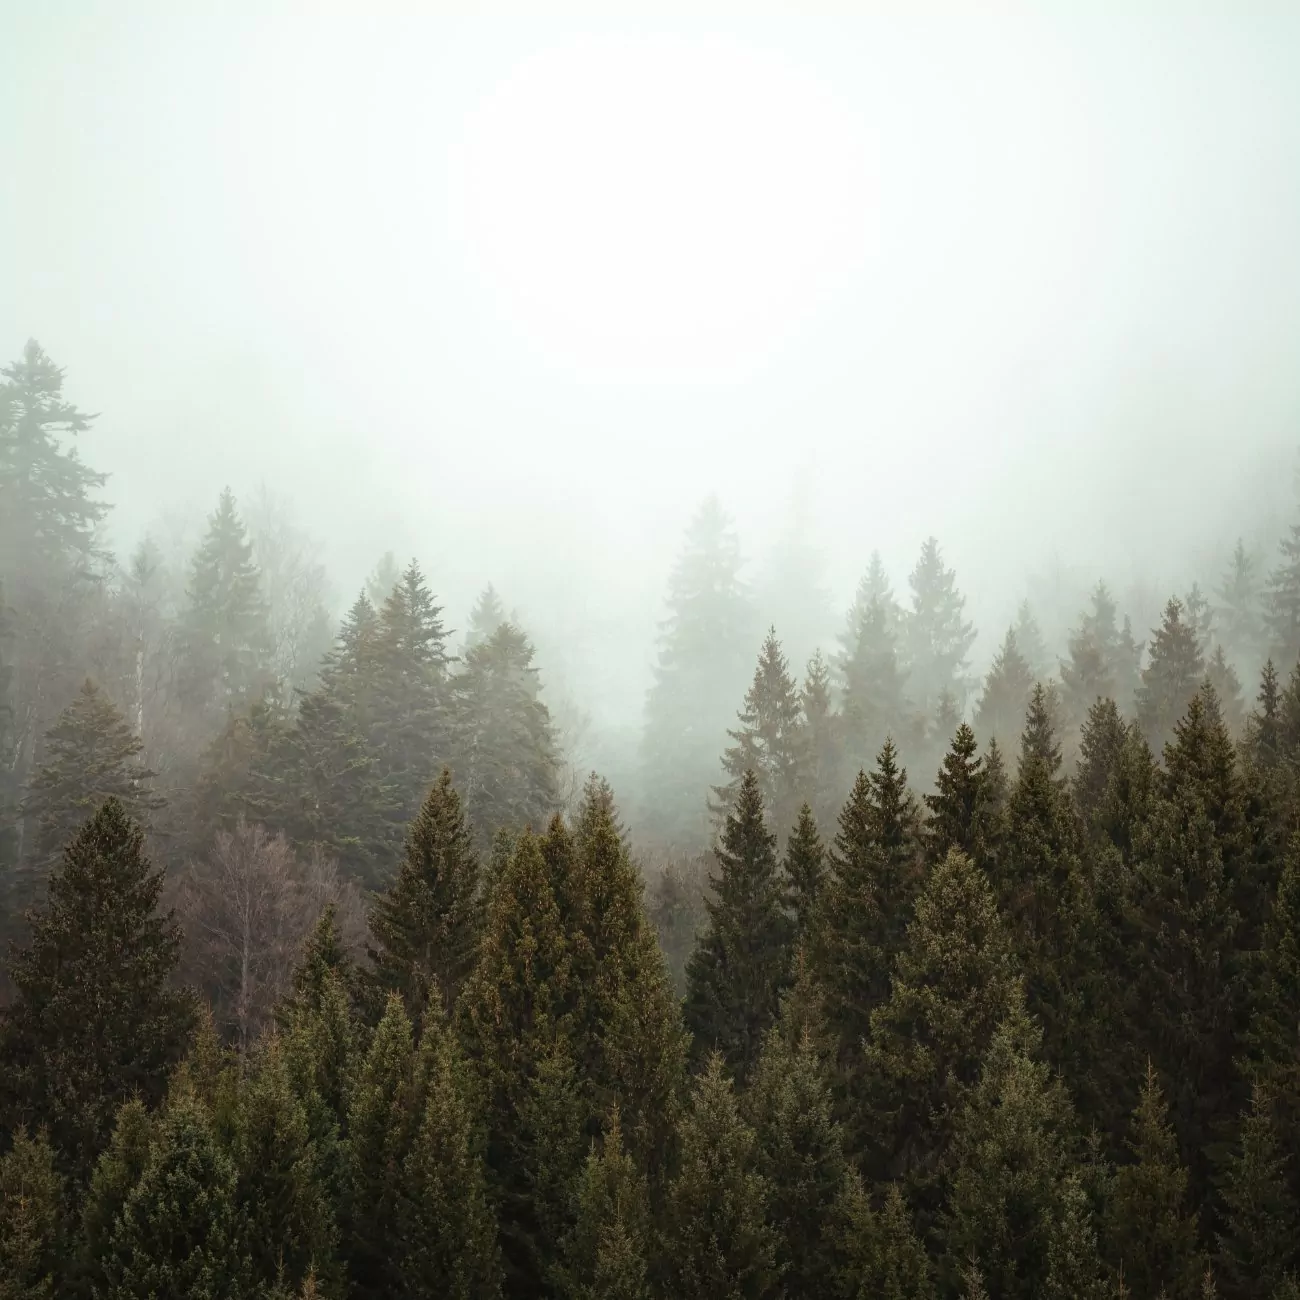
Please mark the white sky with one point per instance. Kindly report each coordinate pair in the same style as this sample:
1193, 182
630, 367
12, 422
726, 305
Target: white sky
514, 291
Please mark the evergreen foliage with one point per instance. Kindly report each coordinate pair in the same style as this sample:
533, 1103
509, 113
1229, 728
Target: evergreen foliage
31, 1240
1240, 609
805, 871
1006, 693
938, 637
1175, 668
873, 680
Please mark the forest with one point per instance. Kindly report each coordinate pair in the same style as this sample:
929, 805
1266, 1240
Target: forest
328, 973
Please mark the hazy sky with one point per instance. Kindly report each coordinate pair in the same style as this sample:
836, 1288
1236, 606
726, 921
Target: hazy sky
513, 292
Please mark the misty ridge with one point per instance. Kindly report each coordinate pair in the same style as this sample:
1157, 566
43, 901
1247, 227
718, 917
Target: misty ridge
649, 659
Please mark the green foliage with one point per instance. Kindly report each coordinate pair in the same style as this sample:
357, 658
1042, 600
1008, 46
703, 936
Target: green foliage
879, 1254
1101, 743
717, 1239
1006, 693
179, 1232
94, 1019
1151, 1233
31, 1255
805, 870
426, 925
938, 637
822, 759
117, 1171
741, 964
873, 681
958, 808
1174, 671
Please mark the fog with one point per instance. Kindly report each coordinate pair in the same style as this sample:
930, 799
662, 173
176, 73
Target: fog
513, 292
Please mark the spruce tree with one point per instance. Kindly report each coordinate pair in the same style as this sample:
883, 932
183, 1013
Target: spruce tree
426, 925
875, 871
768, 742
487, 615
90, 755
1200, 618
1282, 601
938, 637
1222, 676
1029, 641
872, 683
1006, 693
94, 1019
117, 1171
224, 626
1173, 673
717, 1239
741, 963
1239, 611
1263, 741
704, 650
1101, 741
1011, 1208
956, 808
382, 579
953, 983
179, 1232
280, 1188
805, 873
446, 1236
800, 1152
505, 756
1151, 1231
878, 1251
31, 1254
873, 587
608, 1255
822, 759
1259, 1243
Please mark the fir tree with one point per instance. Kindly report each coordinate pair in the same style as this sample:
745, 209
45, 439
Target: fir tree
1171, 677
446, 1235
1101, 743
1282, 601
717, 1240
608, 1255
1151, 1233
506, 760
1263, 741
179, 1232
118, 1170
741, 964
938, 637
1029, 641
1239, 609
1222, 676
485, 618
768, 742
704, 650
805, 870
873, 587
31, 1258
426, 925
1006, 693
874, 705
224, 627
1258, 1245
93, 1020
953, 983
801, 1155
878, 1251
1011, 1208
1200, 618
280, 1190
90, 755
875, 872
956, 807
822, 759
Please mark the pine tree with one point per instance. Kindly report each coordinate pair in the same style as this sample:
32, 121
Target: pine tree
800, 1152
179, 1232
805, 871
93, 1019
768, 742
426, 925
875, 872
1171, 677
1239, 610
90, 755
280, 1190
118, 1170
1011, 1207
717, 1241
506, 760
1006, 693
1258, 1245
224, 626
446, 1235
938, 638
741, 963
704, 650
953, 984
1151, 1233
31, 1258
608, 1255
878, 1251
487, 615
956, 808
822, 759
872, 683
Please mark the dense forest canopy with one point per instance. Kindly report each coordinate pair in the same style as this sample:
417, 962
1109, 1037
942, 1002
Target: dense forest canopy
330, 972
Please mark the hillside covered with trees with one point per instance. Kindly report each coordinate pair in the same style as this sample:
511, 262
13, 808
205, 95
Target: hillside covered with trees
325, 977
